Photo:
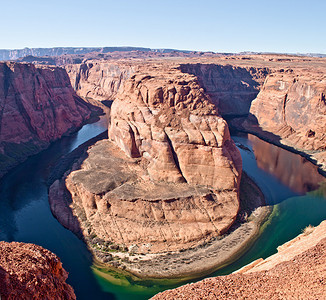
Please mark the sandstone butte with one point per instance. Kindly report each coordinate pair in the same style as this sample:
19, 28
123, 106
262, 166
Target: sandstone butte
29, 271
297, 271
167, 179
38, 105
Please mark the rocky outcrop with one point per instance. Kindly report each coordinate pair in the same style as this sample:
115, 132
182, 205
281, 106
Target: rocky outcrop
38, 106
168, 178
28, 271
231, 88
297, 271
174, 126
99, 80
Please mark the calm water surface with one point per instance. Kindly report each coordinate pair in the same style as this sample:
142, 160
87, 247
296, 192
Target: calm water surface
25, 216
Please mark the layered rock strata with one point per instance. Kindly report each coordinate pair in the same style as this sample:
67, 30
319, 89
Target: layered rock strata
291, 110
99, 80
37, 106
297, 271
168, 178
231, 88
28, 271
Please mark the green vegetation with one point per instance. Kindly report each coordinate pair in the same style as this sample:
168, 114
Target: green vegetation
309, 229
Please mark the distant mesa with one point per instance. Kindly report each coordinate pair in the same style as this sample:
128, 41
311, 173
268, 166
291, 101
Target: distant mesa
57, 51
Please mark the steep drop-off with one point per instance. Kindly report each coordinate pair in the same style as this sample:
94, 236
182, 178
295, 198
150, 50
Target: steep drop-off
291, 110
99, 80
29, 271
37, 106
297, 271
168, 178
231, 88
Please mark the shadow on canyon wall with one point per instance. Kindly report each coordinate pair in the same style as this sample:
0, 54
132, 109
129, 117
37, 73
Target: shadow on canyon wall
232, 89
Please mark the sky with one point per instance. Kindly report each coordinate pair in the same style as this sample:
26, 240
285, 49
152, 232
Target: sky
287, 26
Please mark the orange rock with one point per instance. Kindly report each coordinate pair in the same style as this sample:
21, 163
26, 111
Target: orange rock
29, 271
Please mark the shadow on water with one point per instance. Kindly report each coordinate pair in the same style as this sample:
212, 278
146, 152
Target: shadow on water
25, 215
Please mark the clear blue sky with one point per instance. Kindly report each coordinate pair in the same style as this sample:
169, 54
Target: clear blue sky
212, 25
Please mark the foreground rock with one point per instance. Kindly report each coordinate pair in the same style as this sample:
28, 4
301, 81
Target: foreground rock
297, 271
167, 181
38, 106
28, 271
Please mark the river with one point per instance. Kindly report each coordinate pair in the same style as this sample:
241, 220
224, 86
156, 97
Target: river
286, 180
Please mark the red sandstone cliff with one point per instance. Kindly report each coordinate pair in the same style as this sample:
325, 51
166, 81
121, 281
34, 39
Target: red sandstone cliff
37, 106
29, 271
170, 166
291, 109
99, 80
231, 88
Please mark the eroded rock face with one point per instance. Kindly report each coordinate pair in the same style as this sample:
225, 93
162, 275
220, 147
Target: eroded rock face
292, 106
37, 106
231, 88
29, 271
169, 178
174, 126
99, 80
297, 271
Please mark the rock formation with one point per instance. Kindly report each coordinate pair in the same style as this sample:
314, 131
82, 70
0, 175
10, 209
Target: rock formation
231, 88
28, 271
99, 80
37, 106
297, 271
292, 106
168, 179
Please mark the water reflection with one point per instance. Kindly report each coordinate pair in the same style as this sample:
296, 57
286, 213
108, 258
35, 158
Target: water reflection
291, 169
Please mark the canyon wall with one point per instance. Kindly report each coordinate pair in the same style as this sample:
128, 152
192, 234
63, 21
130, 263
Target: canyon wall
99, 80
29, 271
231, 88
37, 106
297, 271
292, 106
